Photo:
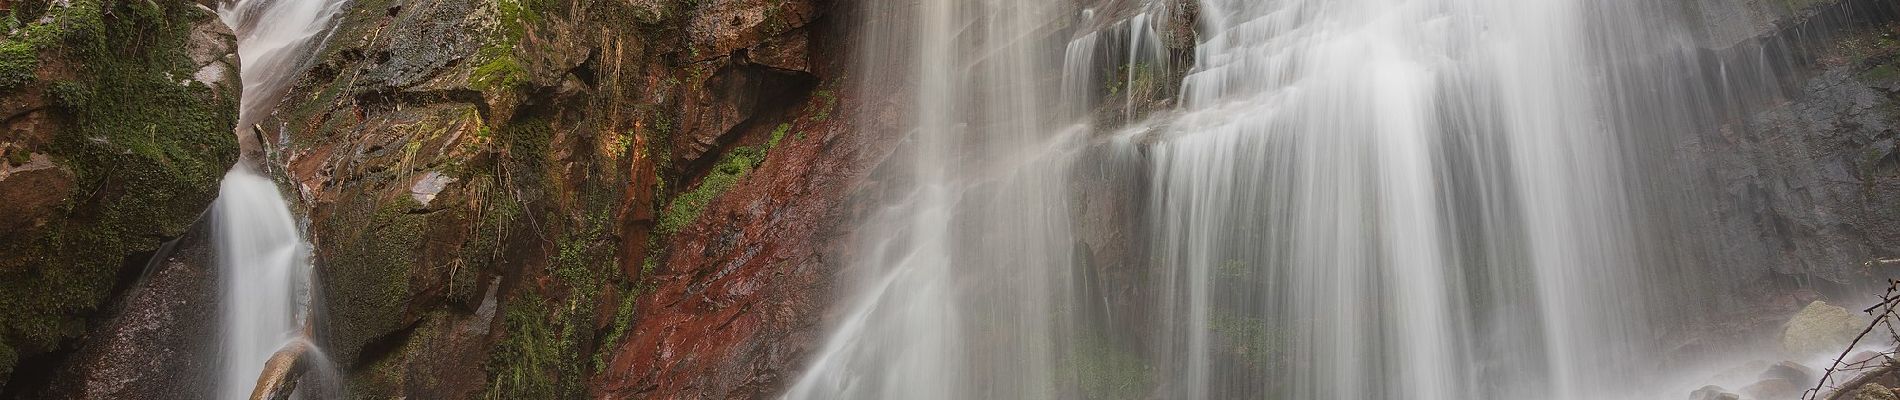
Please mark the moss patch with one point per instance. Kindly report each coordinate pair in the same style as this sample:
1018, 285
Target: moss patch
733, 166
1102, 371
146, 152
368, 273
500, 67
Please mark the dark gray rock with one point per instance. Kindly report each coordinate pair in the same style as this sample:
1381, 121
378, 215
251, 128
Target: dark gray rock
1713, 392
159, 342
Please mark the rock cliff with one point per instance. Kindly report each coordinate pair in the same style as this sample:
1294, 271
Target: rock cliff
535, 199
117, 128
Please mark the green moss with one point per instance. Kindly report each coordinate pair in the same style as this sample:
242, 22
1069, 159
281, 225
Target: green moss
146, 154
623, 323
501, 70
7, 360
524, 365
1882, 72
368, 273
827, 102
778, 135
18, 61
685, 208
1249, 338
500, 67
71, 95
1102, 371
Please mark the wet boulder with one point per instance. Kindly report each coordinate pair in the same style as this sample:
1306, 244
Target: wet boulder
1875, 391
1776, 388
1820, 328
1790, 371
1713, 392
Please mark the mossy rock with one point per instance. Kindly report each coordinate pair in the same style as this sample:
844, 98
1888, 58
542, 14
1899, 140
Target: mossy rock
144, 145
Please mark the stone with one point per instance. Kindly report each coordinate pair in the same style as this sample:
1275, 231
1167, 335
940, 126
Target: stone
156, 344
1713, 392
1790, 371
1773, 389
1875, 391
1820, 328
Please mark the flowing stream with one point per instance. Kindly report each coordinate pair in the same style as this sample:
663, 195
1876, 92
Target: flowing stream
1349, 199
265, 263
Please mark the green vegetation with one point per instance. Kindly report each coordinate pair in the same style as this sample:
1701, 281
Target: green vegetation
369, 271
18, 61
528, 362
1882, 72
732, 167
1248, 338
145, 151
543, 354
827, 102
1105, 372
1140, 78
500, 67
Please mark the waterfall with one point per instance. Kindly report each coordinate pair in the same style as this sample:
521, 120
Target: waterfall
265, 264
1350, 199
962, 282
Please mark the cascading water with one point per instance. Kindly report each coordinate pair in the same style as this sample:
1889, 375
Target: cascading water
960, 295
1352, 199
264, 262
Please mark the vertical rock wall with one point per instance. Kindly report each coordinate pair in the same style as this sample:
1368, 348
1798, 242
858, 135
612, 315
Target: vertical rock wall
117, 128
537, 199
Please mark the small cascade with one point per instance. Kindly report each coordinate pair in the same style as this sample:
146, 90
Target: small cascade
266, 269
265, 262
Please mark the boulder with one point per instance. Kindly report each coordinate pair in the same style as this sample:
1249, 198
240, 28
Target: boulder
1713, 392
1875, 391
1773, 389
1820, 328
1790, 371
158, 342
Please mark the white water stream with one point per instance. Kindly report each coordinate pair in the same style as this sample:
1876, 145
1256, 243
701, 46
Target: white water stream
265, 264
1353, 199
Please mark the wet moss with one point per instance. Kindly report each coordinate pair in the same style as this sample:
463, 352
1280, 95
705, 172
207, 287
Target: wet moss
541, 355
1248, 338
18, 61
367, 275
145, 151
827, 102
500, 67
526, 360
7, 360
733, 166
1101, 371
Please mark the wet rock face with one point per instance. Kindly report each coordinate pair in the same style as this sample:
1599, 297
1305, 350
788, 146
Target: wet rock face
158, 341
1806, 182
533, 199
117, 128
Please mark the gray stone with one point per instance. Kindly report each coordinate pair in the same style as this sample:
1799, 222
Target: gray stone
1791, 371
1713, 392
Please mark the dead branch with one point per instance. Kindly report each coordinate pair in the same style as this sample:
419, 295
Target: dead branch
1888, 301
